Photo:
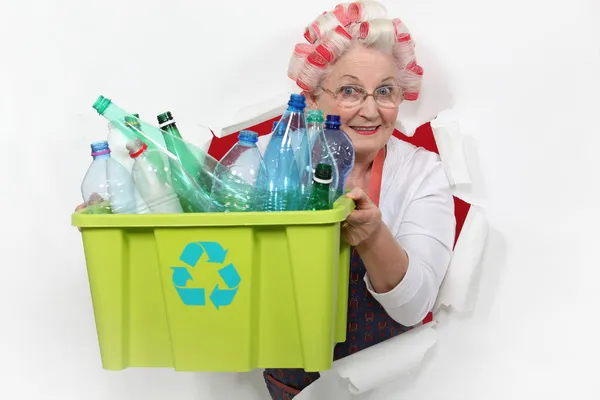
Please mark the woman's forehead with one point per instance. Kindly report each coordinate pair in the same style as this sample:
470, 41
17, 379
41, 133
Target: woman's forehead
364, 67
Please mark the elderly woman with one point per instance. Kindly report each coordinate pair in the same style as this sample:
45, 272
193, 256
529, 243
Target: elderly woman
360, 65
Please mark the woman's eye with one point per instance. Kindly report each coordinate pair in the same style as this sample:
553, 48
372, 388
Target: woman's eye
385, 91
348, 91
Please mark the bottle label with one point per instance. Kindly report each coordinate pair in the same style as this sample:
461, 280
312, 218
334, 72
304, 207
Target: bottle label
166, 123
324, 181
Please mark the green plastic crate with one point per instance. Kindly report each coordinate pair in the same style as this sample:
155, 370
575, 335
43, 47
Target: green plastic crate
267, 290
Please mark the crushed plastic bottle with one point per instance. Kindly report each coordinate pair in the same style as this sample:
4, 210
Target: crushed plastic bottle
107, 186
237, 186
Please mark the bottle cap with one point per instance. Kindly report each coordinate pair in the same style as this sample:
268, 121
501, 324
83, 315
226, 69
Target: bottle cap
333, 122
101, 104
136, 147
297, 101
248, 136
315, 116
164, 117
323, 173
99, 148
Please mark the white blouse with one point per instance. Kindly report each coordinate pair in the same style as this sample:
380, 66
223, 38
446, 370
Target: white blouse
417, 206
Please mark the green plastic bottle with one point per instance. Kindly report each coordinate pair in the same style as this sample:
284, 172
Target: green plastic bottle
319, 195
186, 185
320, 151
186, 158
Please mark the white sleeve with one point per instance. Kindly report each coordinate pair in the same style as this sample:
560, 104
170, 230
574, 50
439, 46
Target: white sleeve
426, 233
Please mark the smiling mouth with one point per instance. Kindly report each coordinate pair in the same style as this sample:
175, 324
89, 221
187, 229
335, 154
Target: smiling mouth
365, 130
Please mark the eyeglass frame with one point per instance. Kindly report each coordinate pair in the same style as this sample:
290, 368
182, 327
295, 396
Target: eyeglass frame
367, 94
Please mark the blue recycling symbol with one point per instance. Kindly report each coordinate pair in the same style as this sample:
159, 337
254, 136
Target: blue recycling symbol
220, 296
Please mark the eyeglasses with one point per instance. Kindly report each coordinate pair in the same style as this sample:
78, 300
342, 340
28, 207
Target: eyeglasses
350, 96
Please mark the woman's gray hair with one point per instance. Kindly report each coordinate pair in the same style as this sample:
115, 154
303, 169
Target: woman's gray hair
349, 24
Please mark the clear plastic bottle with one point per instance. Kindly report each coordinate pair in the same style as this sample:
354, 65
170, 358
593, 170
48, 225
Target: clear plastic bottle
152, 178
320, 153
107, 186
236, 186
293, 121
118, 143
342, 150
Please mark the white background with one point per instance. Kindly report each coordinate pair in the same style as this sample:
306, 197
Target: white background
523, 75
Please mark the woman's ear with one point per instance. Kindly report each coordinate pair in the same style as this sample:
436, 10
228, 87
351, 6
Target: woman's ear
311, 100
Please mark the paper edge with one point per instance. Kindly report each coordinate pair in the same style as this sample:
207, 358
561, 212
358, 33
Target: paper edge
474, 230
429, 340
449, 140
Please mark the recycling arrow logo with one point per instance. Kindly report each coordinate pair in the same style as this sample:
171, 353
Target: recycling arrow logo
220, 296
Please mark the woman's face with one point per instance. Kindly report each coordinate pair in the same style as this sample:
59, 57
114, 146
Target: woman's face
368, 125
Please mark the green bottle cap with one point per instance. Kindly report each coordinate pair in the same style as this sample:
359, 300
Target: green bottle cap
101, 104
323, 173
164, 117
315, 116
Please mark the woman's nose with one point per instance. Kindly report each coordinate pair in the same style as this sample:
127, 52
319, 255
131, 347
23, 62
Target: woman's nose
369, 108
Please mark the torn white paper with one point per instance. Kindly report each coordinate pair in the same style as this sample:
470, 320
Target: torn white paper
386, 361
373, 367
446, 131
465, 261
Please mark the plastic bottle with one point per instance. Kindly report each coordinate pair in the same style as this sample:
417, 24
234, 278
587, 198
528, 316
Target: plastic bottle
320, 153
319, 196
282, 181
188, 186
341, 149
117, 143
185, 160
151, 178
293, 121
107, 186
236, 186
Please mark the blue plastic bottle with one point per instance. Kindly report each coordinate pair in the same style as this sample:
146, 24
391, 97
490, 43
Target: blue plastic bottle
107, 186
237, 185
341, 148
282, 177
293, 121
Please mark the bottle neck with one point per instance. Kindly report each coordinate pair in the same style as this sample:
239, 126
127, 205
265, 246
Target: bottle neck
246, 143
324, 183
170, 127
314, 126
99, 155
